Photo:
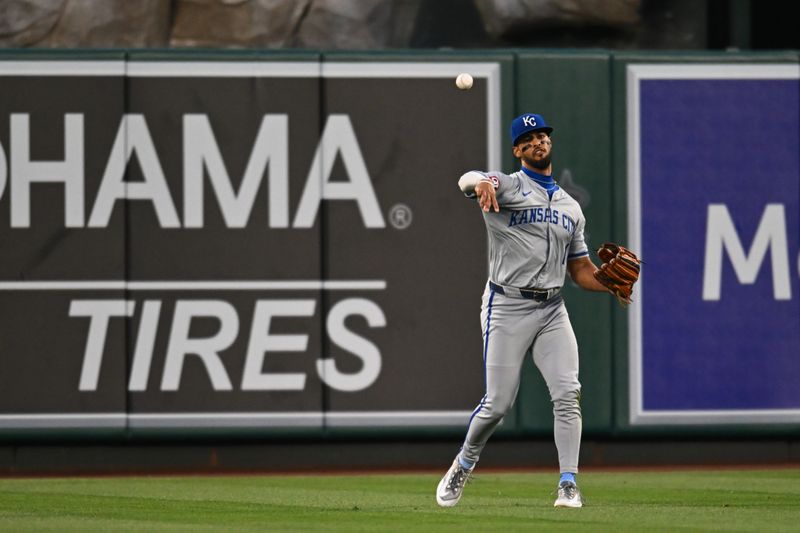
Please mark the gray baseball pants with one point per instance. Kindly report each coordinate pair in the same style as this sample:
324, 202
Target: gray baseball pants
512, 328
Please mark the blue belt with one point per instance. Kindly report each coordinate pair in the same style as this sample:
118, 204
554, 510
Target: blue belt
538, 295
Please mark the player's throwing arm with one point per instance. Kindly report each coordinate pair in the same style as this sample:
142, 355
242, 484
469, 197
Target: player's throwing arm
487, 198
483, 188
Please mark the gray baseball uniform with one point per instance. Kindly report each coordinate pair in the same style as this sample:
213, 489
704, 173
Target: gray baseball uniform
531, 239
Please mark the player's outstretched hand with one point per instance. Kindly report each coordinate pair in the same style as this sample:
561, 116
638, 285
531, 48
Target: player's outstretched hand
487, 198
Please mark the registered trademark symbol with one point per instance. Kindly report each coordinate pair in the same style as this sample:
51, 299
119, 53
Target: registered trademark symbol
400, 216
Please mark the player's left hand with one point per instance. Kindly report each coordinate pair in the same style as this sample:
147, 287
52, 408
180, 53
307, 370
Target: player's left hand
619, 271
487, 198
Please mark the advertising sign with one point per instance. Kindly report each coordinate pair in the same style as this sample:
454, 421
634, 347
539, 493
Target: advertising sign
240, 244
713, 192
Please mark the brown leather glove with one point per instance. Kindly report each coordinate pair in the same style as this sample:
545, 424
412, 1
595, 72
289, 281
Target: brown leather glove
619, 271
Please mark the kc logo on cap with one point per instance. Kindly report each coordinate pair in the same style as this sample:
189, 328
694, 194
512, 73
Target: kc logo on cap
528, 122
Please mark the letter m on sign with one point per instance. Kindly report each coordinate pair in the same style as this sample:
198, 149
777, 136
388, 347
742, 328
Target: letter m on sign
771, 234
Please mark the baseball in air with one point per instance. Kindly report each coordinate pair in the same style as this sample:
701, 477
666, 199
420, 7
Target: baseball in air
464, 81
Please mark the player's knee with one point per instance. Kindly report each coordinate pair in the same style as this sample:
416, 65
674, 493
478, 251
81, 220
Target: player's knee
567, 404
497, 408
567, 394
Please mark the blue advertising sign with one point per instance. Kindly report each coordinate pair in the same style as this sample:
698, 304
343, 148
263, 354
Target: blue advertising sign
713, 198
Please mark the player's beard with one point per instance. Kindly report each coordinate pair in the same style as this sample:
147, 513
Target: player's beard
539, 164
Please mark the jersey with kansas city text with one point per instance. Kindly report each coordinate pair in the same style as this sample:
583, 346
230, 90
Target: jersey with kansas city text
534, 235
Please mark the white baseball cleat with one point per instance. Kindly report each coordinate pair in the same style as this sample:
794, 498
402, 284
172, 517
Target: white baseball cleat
569, 495
452, 485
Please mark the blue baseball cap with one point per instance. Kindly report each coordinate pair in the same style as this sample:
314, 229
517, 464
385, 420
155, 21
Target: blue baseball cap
528, 122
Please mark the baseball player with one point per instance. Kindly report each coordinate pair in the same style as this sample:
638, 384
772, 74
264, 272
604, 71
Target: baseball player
535, 234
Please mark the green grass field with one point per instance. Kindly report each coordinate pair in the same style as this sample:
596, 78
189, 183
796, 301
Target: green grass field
719, 500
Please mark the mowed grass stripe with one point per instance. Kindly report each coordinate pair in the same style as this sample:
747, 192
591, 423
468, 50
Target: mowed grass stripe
726, 500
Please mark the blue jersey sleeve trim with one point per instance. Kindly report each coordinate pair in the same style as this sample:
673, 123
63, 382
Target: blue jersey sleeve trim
580, 254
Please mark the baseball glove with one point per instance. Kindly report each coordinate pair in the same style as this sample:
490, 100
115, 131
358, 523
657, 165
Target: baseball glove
619, 271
